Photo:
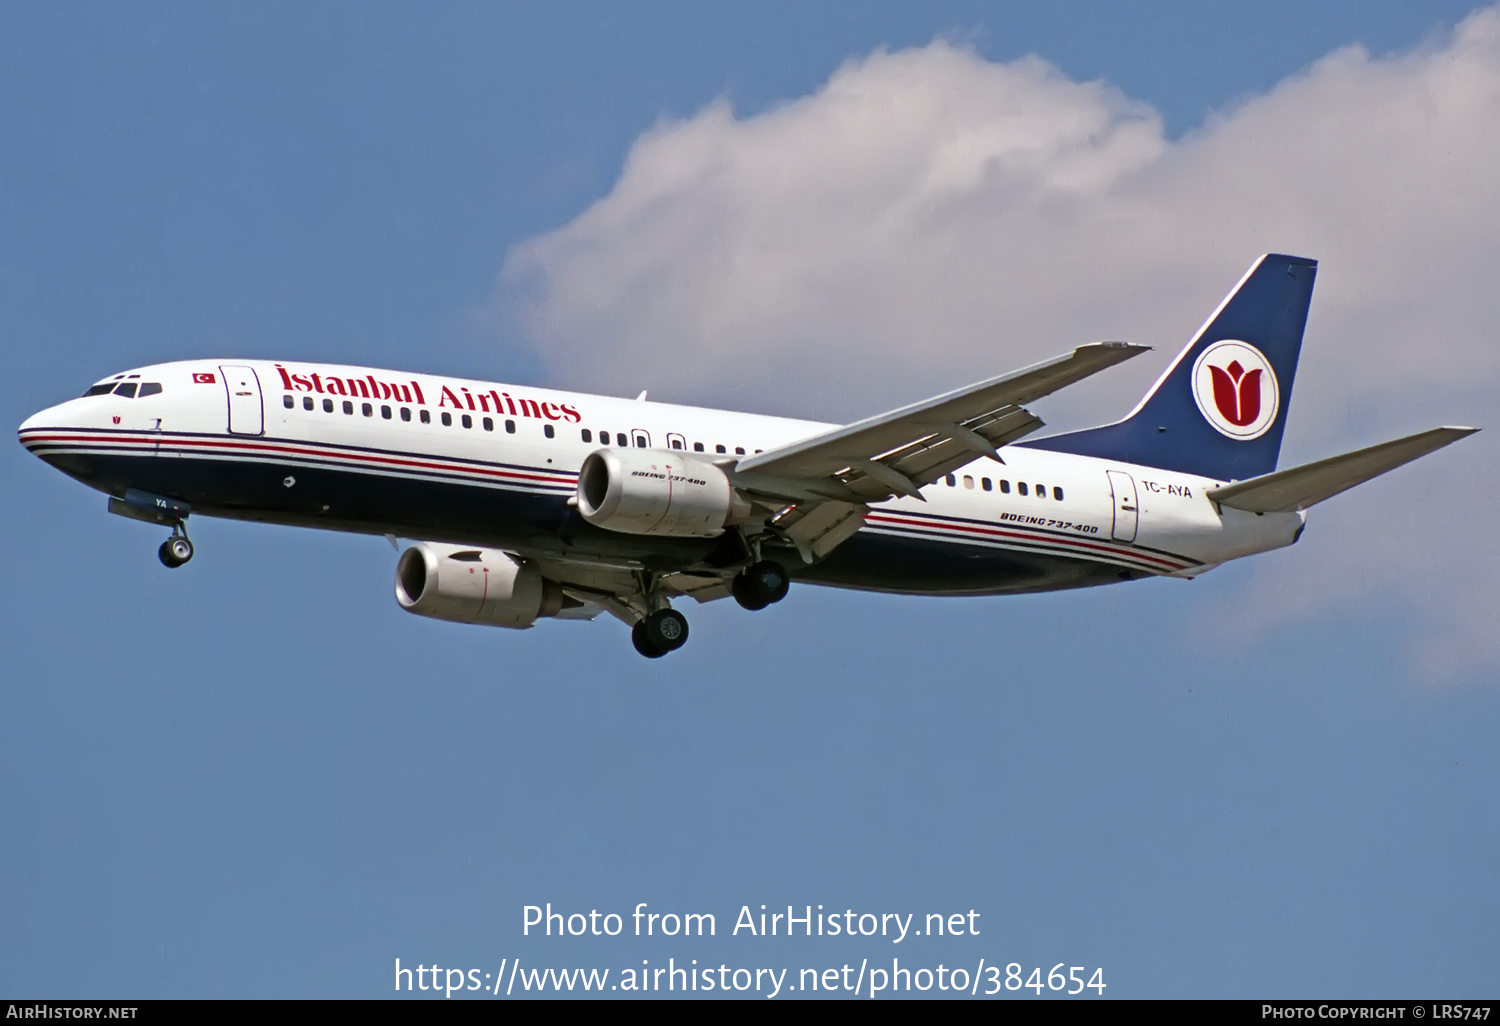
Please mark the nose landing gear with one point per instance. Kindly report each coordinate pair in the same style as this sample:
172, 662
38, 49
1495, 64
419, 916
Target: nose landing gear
158, 509
176, 550
761, 584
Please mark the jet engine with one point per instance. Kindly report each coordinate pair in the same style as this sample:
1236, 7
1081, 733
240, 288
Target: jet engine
469, 585
657, 492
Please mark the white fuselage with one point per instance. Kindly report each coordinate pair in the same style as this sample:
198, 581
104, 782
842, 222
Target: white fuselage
321, 445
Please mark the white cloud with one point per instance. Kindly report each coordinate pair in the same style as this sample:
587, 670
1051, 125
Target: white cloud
929, 217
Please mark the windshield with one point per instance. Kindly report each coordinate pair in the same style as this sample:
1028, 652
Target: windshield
125, 389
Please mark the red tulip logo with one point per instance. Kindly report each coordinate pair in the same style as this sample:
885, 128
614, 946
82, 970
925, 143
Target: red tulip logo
1236, 390
1236, 393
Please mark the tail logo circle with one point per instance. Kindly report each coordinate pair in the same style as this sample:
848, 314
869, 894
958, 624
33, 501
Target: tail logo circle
1235, 388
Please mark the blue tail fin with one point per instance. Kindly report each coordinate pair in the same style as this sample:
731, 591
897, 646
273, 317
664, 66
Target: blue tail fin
1220, 409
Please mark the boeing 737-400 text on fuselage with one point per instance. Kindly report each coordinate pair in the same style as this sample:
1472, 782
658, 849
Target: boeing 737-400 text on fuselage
536, 503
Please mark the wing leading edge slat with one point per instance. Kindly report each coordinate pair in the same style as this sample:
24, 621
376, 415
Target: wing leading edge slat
829, 479
926, 440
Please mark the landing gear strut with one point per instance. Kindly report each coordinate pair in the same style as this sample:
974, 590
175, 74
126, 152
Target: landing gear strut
761, 584
663, 631
177, 549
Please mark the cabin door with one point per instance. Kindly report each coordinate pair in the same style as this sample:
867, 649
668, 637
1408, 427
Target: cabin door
246, 416
1127, 514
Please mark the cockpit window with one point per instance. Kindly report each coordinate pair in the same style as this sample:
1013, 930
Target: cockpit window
125, 389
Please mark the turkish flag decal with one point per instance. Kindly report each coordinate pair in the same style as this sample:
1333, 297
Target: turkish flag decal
203, 379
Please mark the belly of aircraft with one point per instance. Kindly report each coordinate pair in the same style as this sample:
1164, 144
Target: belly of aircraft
542, 523
920, 567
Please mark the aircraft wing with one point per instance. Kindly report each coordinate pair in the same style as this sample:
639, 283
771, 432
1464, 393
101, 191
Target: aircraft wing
1285, 491
830, 478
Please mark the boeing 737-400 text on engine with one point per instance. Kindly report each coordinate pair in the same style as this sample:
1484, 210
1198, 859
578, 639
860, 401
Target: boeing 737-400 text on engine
535, 503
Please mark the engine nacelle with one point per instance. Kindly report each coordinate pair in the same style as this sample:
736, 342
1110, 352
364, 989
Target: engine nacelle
469, 585
658, 492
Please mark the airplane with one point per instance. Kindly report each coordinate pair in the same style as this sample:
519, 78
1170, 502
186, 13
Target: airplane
532, 503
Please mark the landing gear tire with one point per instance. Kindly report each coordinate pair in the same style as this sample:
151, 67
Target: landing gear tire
761, 584
665, 630
745, 594
642, 643
175, 551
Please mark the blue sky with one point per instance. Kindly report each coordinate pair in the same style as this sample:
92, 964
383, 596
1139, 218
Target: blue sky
259, 777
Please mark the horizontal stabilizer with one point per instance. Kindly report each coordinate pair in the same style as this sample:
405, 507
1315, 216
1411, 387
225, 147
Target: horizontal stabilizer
1300, 487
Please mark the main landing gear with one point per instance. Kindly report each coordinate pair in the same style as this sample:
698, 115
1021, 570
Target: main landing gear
760, 584
177, 549
663, 631
666, 630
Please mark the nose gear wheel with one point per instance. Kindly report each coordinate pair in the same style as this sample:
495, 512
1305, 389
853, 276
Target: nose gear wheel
175, 551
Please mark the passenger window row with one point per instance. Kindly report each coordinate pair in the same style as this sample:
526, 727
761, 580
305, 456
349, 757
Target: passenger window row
1021, 487
738, 450
404, 412
642, 440
621, 438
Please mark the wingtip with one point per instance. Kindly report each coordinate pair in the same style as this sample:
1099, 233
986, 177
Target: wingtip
1126, 348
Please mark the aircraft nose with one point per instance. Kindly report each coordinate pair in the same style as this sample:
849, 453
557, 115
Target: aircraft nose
35, 421
33, 429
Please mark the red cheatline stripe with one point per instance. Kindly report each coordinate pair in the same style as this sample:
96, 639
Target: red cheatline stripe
330, 452
1036, 537
1045, 541
294, 450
